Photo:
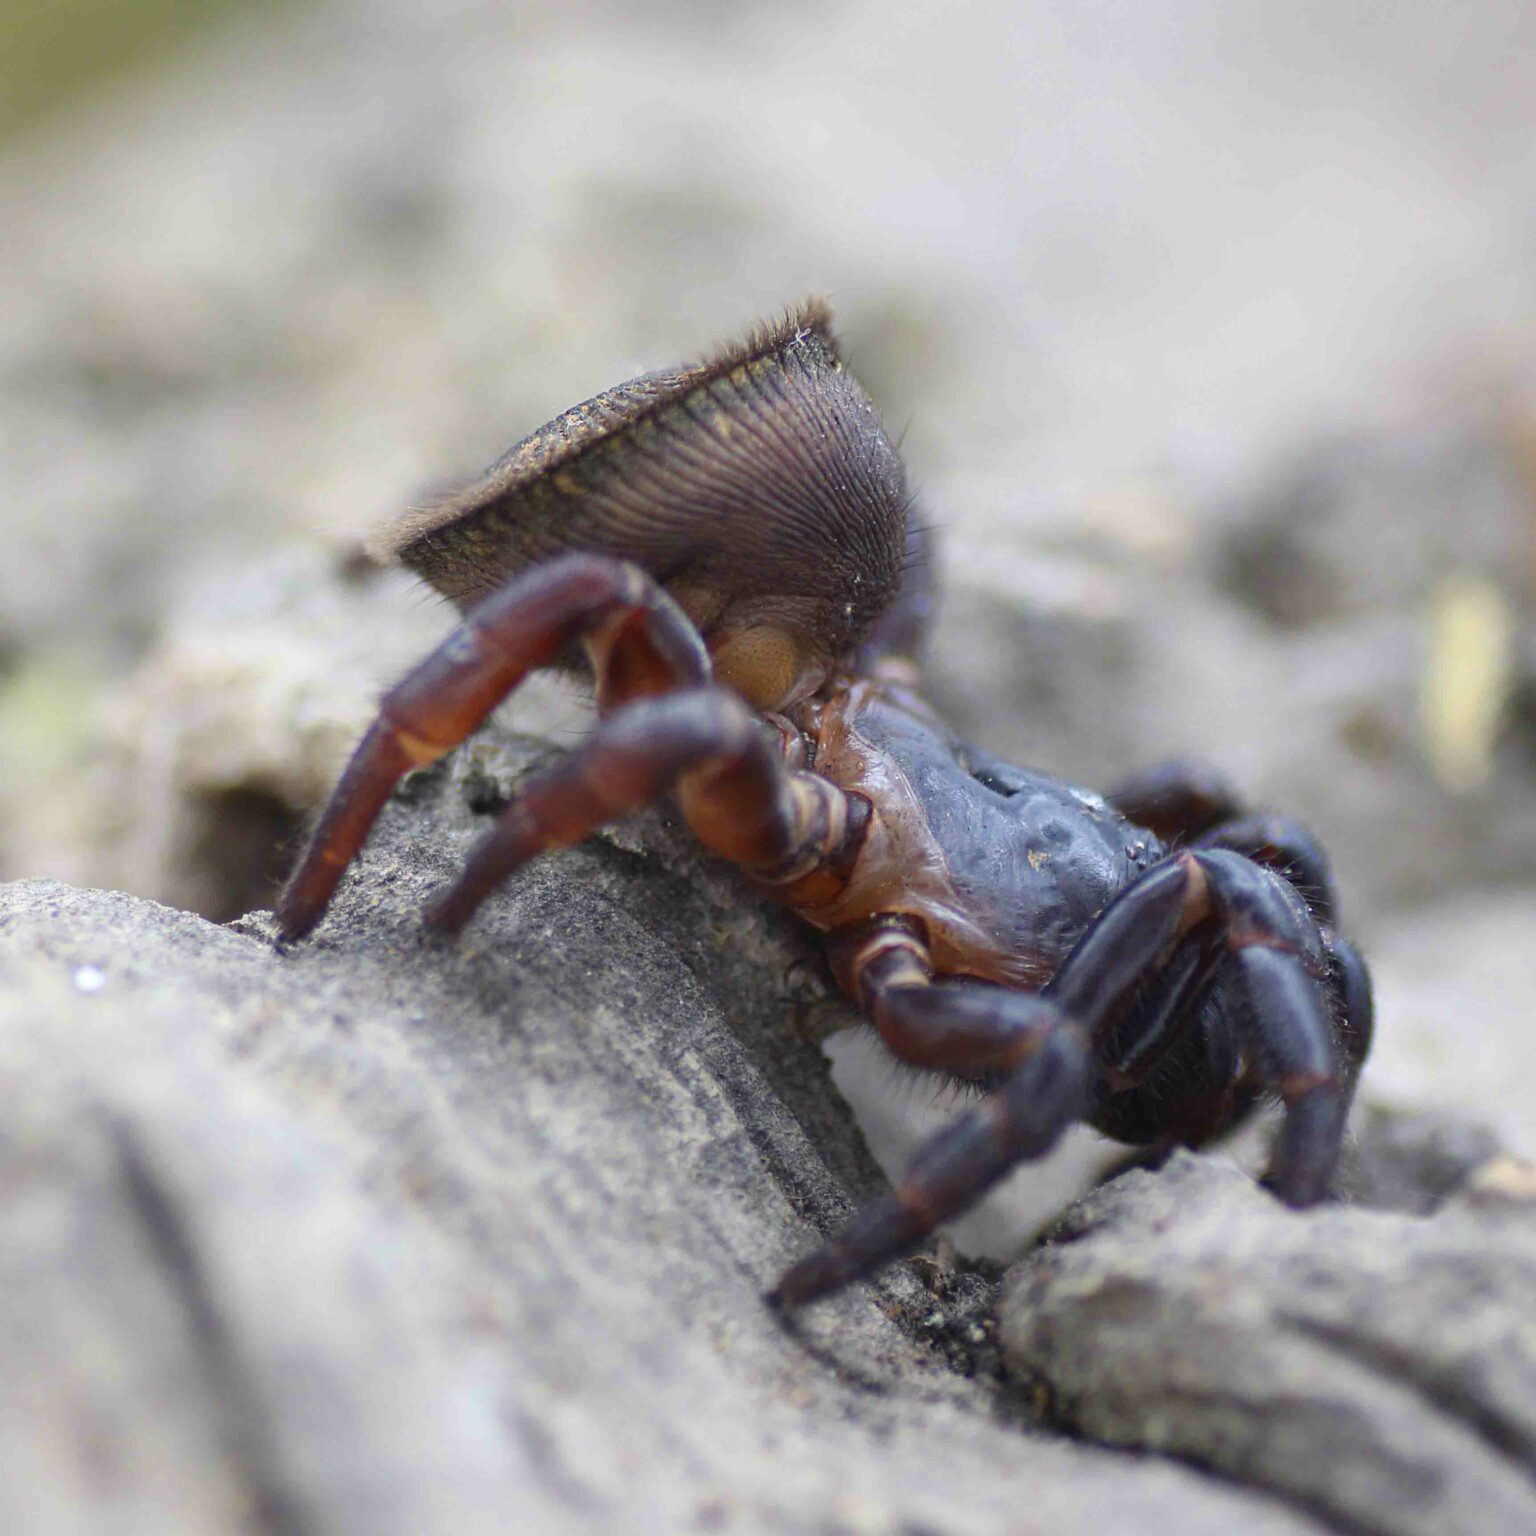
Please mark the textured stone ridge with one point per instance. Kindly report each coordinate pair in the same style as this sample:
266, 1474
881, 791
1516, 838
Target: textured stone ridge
383, 1236
1374, 1367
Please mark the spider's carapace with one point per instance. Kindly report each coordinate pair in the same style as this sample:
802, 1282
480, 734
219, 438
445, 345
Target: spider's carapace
726, 548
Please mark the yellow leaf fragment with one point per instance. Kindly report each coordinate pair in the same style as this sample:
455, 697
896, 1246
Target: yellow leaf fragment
1468, 675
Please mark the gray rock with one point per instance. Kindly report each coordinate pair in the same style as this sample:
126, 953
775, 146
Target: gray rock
383, 1235
1376, 1369
1413, 1160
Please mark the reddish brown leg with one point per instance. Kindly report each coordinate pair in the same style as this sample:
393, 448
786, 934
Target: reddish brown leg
955, 1025
640, 642
736, 794
971, 1029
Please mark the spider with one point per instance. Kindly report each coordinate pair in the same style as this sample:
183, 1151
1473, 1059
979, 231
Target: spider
726, 548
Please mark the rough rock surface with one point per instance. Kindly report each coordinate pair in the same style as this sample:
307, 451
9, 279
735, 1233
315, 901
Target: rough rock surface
1375, 1368
382, 1235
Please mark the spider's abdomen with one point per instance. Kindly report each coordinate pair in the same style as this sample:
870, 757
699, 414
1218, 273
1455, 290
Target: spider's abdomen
1004, 867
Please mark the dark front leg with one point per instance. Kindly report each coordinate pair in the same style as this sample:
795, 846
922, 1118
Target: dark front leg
1352, 985
1285, 846
1194, 804
1288, 848
1282, 968
1163, 1011
1176, 800
1278, 965
1037, 1045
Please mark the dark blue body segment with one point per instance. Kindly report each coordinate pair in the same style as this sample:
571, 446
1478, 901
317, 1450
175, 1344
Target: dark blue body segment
1030, 860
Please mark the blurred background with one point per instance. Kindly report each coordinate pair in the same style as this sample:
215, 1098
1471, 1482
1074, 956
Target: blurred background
1207, 331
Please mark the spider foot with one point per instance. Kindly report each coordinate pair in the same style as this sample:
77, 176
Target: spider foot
1019, 1121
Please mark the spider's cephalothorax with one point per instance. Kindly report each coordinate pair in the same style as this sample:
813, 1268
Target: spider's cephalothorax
725, 546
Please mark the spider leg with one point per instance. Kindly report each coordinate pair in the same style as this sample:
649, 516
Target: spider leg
1197, 805
1352, 985
1203, 1094
640, 641
1285, 846
1278, 961
1176, 799
970, 1026
1193, 1109
1267, 938
1277, 958
1133, 1048
1046, 1038
1281, 963
740, 799
1221, 1094
952, 1024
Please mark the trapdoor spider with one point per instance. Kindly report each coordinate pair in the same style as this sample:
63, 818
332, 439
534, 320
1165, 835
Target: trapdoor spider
726, 547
